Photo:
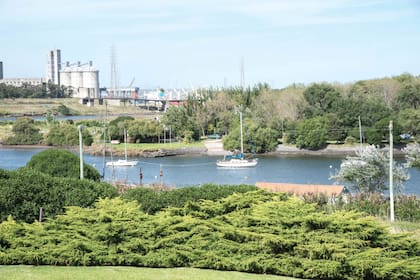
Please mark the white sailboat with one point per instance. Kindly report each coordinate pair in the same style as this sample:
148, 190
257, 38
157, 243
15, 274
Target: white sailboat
238, 160
125, 161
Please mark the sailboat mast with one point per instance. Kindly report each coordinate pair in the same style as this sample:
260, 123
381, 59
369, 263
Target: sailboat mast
125, 143
240, 112
242, 134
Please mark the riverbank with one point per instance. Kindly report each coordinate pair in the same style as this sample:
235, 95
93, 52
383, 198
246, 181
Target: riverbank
147, 153
215, 147
209, 148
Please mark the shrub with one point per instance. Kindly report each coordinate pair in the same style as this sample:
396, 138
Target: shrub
24, 191
350, 140
256, 232
152, 201
67, 134
25, 133
61, 163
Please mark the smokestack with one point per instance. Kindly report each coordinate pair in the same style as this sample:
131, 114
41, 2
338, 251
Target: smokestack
1, 70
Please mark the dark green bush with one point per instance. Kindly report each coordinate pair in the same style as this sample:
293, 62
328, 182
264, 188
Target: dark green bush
256, 232
24, 191
152, 201
61, 163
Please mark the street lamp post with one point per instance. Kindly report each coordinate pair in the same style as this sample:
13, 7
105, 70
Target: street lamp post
391, 175
80, 127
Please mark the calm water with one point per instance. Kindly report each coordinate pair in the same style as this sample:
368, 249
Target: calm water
195, 170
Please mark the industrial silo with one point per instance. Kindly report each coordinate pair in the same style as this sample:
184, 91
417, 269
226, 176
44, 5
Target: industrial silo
76, 76
65, 77
91, 81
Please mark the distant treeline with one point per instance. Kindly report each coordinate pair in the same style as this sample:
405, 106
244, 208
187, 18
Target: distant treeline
34, 91
308, 116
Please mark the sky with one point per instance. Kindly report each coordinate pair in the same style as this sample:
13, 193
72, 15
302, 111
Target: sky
200, 43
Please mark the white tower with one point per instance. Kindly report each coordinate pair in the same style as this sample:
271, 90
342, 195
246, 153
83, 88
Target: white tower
53, 67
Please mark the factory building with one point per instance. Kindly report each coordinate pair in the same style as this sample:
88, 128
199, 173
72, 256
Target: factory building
83, 79
18, 82
53, 67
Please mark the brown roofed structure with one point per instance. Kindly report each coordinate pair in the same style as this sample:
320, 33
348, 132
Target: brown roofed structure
301, 189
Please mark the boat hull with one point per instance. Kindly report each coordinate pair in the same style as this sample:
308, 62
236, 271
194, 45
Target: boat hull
122, 162
237, 163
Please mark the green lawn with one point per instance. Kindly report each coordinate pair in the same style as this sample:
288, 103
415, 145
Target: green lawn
17, 272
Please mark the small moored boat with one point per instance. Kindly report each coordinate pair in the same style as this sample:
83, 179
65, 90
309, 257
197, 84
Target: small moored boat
125, 161
238, 160
122, 162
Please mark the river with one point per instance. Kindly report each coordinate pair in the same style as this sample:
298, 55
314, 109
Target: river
181, 171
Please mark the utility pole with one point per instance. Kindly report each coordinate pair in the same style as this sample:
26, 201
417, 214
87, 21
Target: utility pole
242, 134
242, 74
41, 211
161, 176
360, 132
81, 150
391, 175
140, 177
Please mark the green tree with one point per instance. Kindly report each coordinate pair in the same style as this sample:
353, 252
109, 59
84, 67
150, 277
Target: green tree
66, 134
178, 119
374, 136
145, 131
312, 133
290, 132
116, 127
25, 132
368, 171
321, 99
61, 163
410, 121
348, 111
380, 132
335, 130
221, 111
266, 110
404, 78
409, 96
265, 139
